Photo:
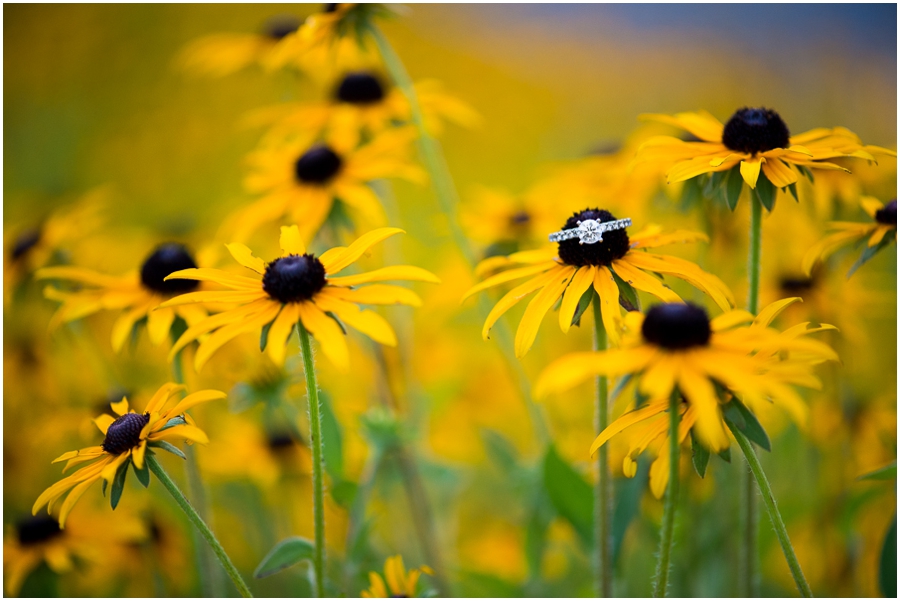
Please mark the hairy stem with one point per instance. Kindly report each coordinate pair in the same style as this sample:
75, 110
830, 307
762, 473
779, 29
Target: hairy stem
603, 487
664, 562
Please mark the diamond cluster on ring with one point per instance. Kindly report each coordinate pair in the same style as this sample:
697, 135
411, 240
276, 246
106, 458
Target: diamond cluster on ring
590, 231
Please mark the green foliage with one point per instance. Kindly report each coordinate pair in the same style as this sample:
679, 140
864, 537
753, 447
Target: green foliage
888, 472
699, 455
887, 564
332, 439
143, 474
744, 420
871, 251
627, 493
583, 303
571, 496
284, 555
167, 446
733, 187
765, 191
118, 484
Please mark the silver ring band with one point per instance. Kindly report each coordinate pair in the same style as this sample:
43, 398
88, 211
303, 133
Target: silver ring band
590, 231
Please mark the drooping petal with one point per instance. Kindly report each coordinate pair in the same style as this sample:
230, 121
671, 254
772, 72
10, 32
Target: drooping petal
626, 420
358, 248
778, 173
216, 296
244, 256
538, 307
570, 370
138, 455
226, 333
369, 323
513, 297
159, 323
393, 272
327, 332
646, 282
280, 331
125, 323
702, 397
580, 283
685, 270
216, 321
608, 291
508, 276
750, 170
376, 294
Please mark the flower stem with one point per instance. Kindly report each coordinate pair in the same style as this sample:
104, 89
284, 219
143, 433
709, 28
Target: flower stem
748, 574
602, 488
195, 518
315, 434
664, 562
445, 190
774, 515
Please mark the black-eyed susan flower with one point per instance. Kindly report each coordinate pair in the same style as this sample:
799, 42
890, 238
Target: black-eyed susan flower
298, 287
134, 294
303, 180
397, 581
677, 346
571, 269
127, 440
755, 139
336, 22
877, 234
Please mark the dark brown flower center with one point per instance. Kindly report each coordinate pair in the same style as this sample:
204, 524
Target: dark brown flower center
796, 285
755, 130
294, 278
125, 433
360, 88
281, 26
317, 165
164, 261
614, 246
25, 242
39, 529
887, 215
676, 326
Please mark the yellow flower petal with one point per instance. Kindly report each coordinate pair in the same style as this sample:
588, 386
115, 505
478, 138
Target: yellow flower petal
327, 332
359, 246
628, 419
702, 397
216, 296
570, 370
244, 256
750, 170
376, 294
202, 274
513, 297
778, 173
138, 455
280, 331
580, 283
291, 243
645, 281
228, 332
161, 396
394, 272
538, 307
216, 321
610, 311
508, 276
183, 432
192, 400
369, 323
773, 310
103, 422
159, 323
685, 270
121, 407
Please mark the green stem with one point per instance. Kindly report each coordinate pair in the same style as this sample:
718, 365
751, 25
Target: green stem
664, 563
777, 522
444, 189
602, 488
195, 519
315, 434
748, 573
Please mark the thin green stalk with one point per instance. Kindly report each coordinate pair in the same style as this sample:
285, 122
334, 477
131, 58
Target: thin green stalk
603, 487
433, 157
315, 435
774, 515
748, 573
195, 519
664, 562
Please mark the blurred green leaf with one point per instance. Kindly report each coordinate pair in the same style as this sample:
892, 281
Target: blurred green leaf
888, 472
887, 565
475, 584
500, 450
871, 251
733, 187
332, 440
570, 494
627, 493
118, 484
806, 172
691, 193
744, 420
627, 293
699, 455
264, 336
285, 554
765, 191
539, 517
167, 446
725, 455
143, 474
344, 492
712, 190
792, 188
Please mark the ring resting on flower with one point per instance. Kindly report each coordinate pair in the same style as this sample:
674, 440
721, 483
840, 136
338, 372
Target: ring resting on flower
590, 231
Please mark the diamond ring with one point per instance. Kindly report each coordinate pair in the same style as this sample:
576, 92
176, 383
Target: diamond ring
590, 231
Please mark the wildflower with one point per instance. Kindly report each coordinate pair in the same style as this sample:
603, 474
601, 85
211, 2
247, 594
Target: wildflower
878, 234
570, 270
303, 180
336, 22
136, 295
677, 345
397, 581
756, 139
496, 217
126, 441
298, 286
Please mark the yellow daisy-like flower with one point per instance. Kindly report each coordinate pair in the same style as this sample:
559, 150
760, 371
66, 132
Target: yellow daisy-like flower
569, 270
879, 233
756, 139
499, 218
126, 442
335, 23
135, 294
299, 287
677, 345
303, 180
397, 581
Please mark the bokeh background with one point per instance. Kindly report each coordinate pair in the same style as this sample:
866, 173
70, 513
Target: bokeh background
92, 98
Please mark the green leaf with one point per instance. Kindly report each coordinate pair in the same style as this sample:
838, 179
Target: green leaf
733, 187
887, 565
284, 555
570, 494
540, 516
143, 475
871, 251
104, 486
339, 322
725, 454
167, 446
620, 386
118, 484
807, 172
744, 420
699, 455
241, 397
500, 450
628, 296
888, 472
264, 336
765, 191
344, 492
178, 420
583, 303
331, 439
627, 494
792, 188
714, 185
691, 193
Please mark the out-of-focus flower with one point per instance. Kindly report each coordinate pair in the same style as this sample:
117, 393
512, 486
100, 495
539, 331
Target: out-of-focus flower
570, 270
877, 234
125, 443
754, 138
677, 345
397, 581
297, 287
303, 180
496, 217
136, 295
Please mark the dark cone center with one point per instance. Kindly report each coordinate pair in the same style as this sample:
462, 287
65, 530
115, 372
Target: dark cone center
360, 88
614, 246
124, 433
796, 285
676, 326
888, 214
755, 130
39, 529
281, 26
294, 278
25, 242
317, 165
166, 260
